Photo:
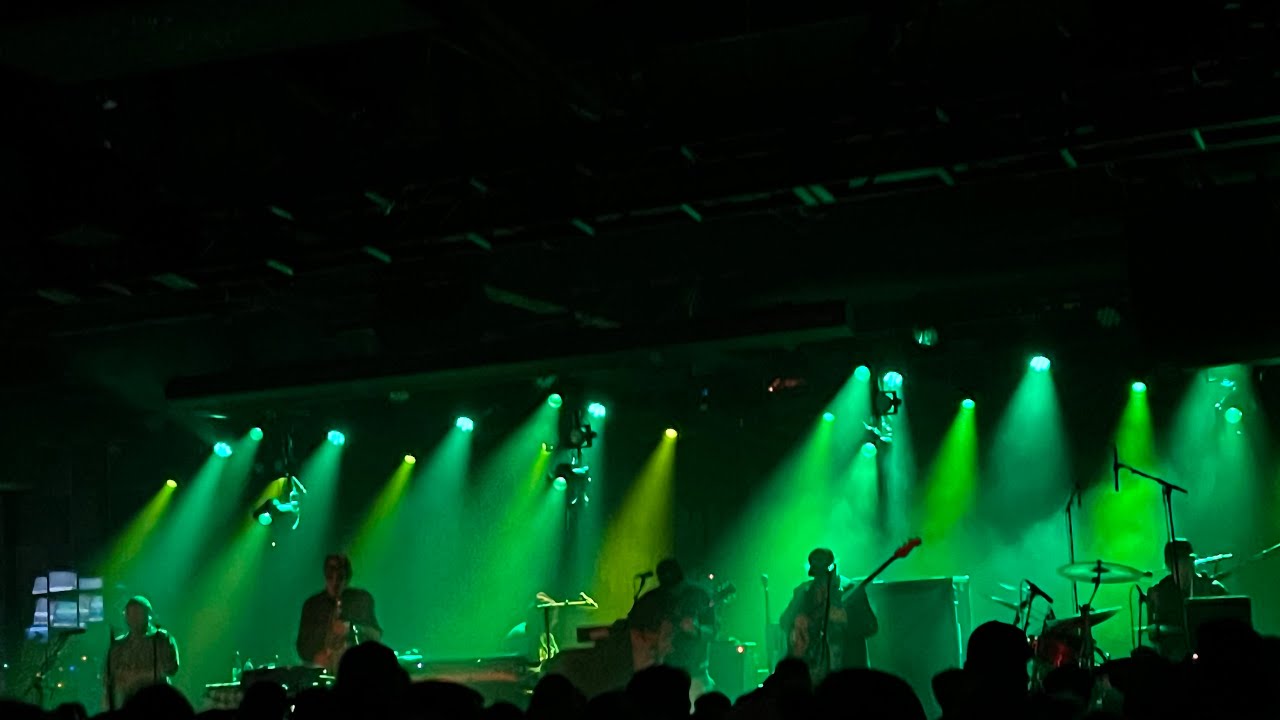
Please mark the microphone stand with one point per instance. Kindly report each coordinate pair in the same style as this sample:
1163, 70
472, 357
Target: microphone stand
1071, 543
1167, 489
826, 619
1256, 557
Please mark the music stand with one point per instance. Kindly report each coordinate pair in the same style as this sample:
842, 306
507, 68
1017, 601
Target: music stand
547, 605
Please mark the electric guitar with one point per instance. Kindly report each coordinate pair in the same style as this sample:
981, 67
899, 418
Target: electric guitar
805, 635
652, 646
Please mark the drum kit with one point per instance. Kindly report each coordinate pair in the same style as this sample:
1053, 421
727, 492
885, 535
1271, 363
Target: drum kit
1069, 640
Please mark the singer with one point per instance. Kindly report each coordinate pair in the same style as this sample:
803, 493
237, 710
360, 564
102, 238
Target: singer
145, 656
336, 618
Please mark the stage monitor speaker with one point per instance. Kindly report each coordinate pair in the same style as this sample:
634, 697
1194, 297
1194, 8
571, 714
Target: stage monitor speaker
1203, 610
924, 625
734, 667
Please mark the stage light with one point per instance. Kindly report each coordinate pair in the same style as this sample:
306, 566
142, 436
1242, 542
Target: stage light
465, 424
828, 417
891, 382
573, 478
171, 483
554, 400
671, 433
336, 438
222, 450
968, 404
1233, 415
869, 449
926, 336
268, 511
410, 460
255, 433
596, 410
862, 373
1139, 387
1040, 363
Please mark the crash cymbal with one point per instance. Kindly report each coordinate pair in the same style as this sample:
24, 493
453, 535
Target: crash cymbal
1107, 573
1010, 588
1006, 603
1075, 623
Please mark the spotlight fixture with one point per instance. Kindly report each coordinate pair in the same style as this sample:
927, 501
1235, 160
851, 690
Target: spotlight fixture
410, 460
1139, 387
828, 417
256, 434
554, 400
336, 438
862, 373
465, 424
579, 434
222, 450
171, 483
891, 381
926, 336
869, 449
1040, 363
885, 402
671, 433
1233, 415
273, 508
596, 410
968, 404
574, 479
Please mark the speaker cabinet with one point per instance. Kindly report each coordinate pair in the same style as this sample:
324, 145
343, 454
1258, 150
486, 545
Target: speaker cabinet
924, 625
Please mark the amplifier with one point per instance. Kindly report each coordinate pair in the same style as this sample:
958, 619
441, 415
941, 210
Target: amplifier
1222, 607
924, 625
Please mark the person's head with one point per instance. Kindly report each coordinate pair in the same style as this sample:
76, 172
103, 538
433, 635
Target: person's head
137, 614
337, 572
997, 657
670, 572
1179, 558
948, 691
822, 562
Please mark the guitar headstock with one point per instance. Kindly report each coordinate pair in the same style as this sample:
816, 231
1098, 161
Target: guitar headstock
724, 593
906, 548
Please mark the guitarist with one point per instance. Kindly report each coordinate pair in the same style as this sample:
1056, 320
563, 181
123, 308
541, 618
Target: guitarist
335, 618
849, 619
680, 619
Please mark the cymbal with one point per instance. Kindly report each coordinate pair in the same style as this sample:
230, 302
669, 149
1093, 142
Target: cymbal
1006, 603
1074, 623
1107, 573
1160, 629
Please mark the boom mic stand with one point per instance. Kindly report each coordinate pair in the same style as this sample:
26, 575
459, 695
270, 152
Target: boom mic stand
1071, 543
1166, 490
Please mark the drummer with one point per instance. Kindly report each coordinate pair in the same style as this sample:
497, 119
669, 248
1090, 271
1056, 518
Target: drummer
1166, 599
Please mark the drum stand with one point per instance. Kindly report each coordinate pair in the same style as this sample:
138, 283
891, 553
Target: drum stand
1088, 648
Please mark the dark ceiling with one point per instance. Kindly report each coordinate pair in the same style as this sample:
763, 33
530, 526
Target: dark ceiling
223, 197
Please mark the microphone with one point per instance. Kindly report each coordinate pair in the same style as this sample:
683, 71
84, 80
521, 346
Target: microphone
1115, 465
644, 575
1035, 590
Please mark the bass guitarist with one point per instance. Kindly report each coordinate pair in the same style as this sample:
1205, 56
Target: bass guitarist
829, 619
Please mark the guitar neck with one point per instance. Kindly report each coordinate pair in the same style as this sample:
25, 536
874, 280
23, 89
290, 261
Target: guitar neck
868, 579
